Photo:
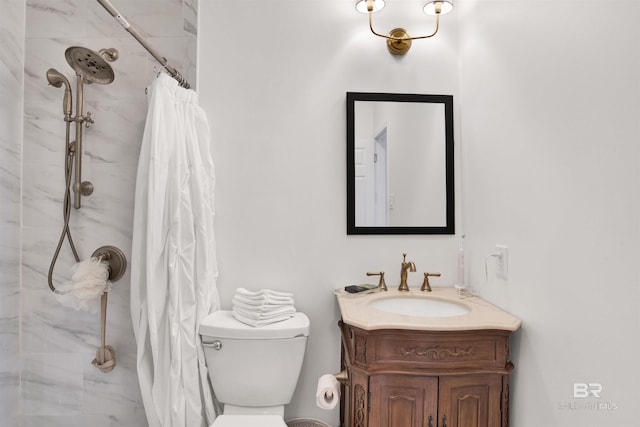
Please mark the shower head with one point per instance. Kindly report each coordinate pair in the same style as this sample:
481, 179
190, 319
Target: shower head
89, 65
57, 79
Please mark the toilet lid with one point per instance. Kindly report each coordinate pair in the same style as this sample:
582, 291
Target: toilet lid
249, 421
222, 324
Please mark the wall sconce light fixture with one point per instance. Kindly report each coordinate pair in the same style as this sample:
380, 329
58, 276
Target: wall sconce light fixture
398, 40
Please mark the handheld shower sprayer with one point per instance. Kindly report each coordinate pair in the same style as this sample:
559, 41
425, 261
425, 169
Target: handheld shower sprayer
56, 79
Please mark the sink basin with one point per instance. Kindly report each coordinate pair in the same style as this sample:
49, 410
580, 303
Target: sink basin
420, 307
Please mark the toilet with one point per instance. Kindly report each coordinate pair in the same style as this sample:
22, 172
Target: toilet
253, 371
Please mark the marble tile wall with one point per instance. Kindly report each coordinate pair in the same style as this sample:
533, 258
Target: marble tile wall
49, 380
11, 78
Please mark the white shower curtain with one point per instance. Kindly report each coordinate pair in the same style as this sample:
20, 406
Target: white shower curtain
174, 269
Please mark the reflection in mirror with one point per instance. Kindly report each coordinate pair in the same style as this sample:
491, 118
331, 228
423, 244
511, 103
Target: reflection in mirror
399, 164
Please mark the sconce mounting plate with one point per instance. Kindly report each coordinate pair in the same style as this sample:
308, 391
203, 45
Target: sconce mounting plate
400, 43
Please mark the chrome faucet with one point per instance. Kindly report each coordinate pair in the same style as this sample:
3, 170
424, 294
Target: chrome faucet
403, 272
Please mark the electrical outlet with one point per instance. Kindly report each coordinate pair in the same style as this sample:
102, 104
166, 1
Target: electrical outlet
502, 264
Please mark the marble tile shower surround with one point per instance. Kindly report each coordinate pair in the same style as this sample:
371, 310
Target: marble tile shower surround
46, 378
11, 78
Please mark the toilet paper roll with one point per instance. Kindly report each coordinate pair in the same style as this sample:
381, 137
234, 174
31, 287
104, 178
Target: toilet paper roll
328, 393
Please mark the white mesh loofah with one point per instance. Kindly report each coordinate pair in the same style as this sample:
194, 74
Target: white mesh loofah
89, 280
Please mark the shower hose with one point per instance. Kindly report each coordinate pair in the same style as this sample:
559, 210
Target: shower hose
66, 208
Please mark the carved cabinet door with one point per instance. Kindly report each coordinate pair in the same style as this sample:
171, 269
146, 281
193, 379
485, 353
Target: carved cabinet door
470, 401
403, 401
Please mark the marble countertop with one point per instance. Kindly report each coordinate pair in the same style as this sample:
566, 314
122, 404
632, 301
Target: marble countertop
357, 311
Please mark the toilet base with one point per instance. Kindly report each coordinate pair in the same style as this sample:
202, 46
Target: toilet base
249, 421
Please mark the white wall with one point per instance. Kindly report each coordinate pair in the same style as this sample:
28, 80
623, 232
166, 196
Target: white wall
273, 77
550, 113
547, 113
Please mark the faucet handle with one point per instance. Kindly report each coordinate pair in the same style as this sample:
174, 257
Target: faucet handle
425, 284
381, 284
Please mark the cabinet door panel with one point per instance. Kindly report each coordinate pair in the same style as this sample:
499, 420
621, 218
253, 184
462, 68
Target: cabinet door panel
402, 400
471, 401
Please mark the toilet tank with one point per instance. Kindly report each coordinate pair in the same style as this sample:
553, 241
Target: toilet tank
254, 366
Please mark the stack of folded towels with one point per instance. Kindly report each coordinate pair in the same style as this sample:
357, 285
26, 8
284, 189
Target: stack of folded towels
262, 307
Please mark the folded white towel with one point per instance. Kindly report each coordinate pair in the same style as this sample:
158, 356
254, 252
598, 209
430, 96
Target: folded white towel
265, 296
259, 323
251, 306
262, 307
265, 315
263, 292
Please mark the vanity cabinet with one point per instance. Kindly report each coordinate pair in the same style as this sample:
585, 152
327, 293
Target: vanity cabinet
407, 378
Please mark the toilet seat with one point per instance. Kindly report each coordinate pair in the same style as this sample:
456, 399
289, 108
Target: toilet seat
249, 421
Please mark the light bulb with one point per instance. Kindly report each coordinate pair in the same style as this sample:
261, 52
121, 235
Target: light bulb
361, 5
435, 7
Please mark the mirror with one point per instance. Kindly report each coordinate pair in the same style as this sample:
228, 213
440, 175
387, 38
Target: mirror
400, 164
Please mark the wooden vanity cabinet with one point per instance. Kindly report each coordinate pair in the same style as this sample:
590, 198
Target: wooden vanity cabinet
402, 378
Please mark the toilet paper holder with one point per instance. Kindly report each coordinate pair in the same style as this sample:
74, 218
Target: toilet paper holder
343, 378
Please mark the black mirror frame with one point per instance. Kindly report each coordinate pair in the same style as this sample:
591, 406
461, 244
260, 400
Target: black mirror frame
447, 100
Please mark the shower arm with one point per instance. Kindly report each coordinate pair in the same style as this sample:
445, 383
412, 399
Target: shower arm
136, 35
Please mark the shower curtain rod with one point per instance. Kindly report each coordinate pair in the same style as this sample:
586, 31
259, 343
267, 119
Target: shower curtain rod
127, 26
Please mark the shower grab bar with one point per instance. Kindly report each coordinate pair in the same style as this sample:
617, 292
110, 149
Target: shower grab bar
136, 35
